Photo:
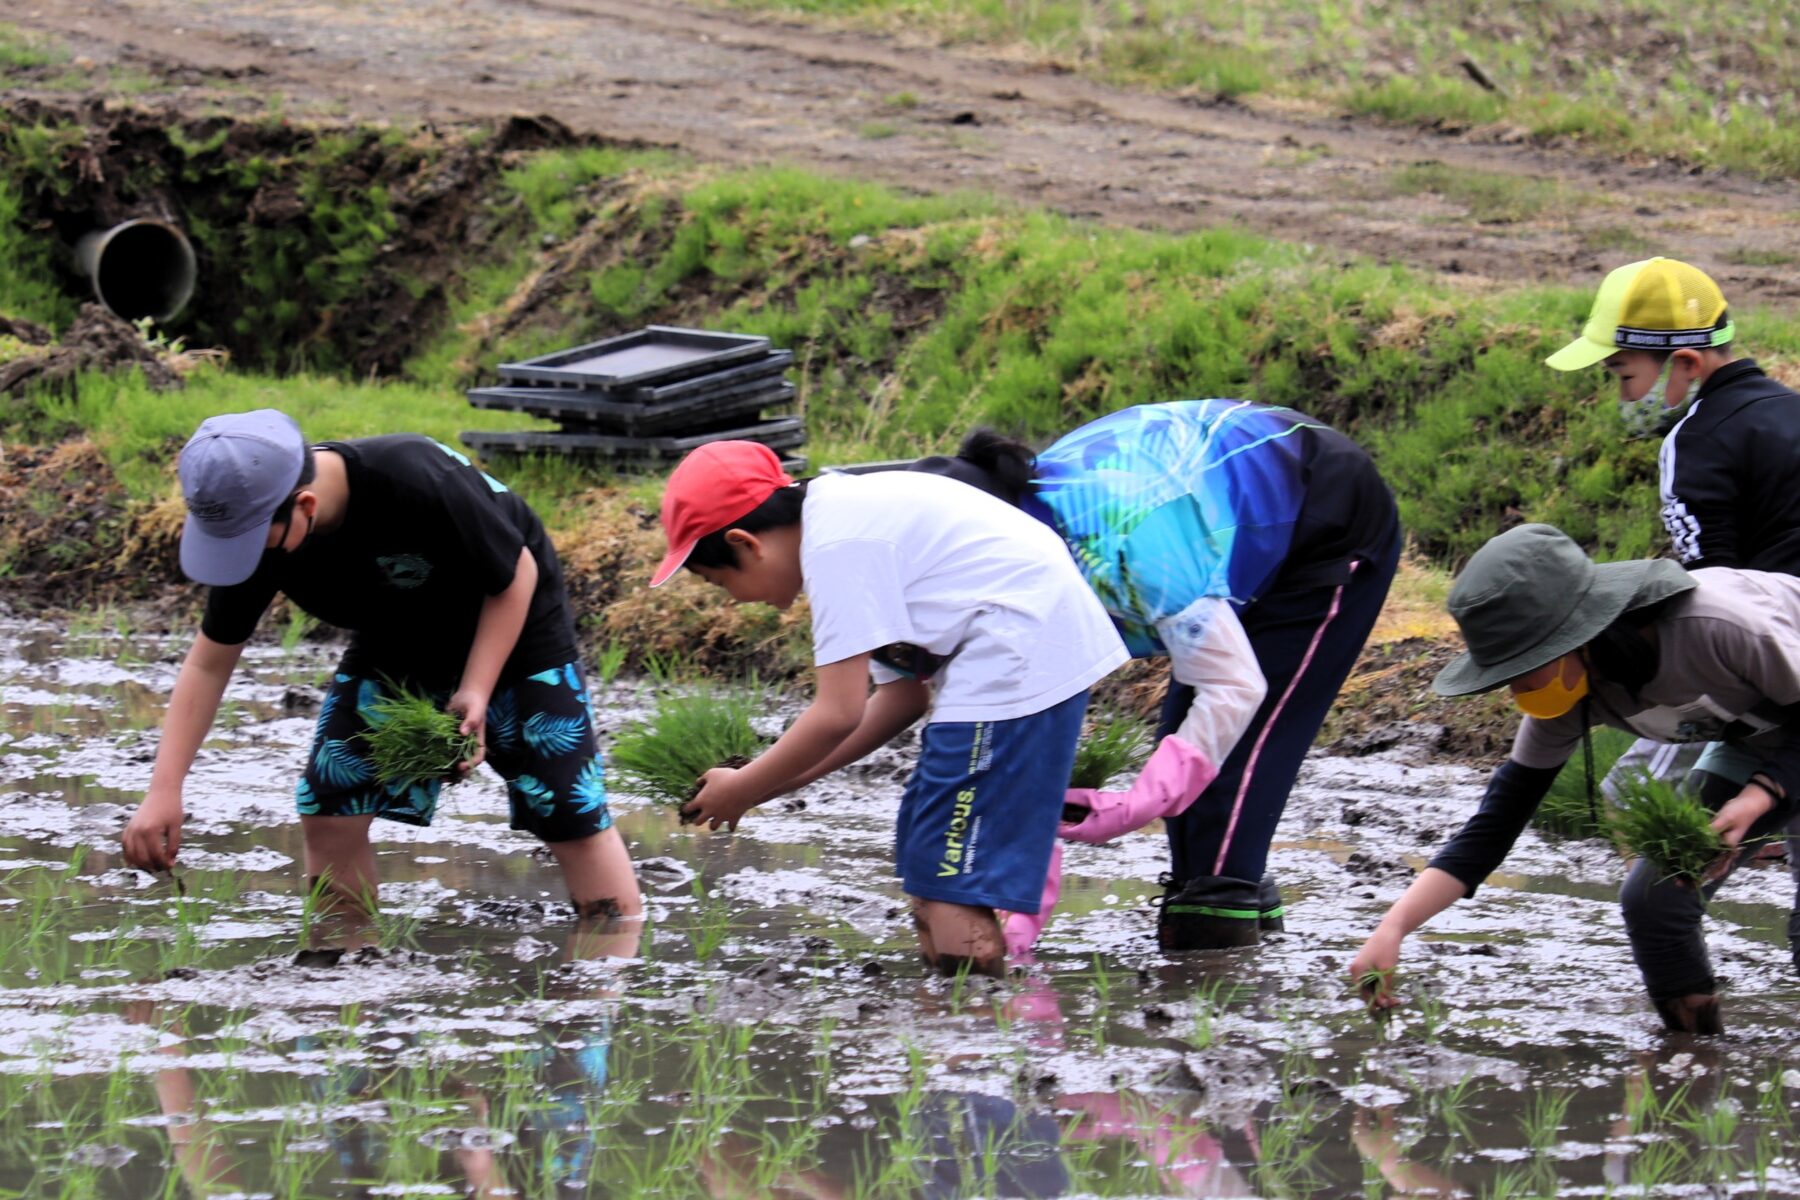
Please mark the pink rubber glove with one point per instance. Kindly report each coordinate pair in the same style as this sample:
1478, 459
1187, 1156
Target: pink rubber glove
1021, 929
1173, 779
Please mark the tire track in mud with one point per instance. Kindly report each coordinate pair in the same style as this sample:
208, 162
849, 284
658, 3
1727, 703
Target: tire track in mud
743, 90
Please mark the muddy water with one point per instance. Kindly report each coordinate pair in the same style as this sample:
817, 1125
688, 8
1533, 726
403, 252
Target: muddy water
771, 1033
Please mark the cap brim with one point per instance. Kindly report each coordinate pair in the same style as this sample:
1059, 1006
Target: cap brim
1615, 590
672, 562
1578, 354
221, 562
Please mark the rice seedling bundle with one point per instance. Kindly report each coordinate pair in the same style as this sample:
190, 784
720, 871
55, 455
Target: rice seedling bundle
411, 740
1115, 744
665, 755
1661, 822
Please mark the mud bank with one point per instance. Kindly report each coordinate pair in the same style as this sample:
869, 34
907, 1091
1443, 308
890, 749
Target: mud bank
771, 1032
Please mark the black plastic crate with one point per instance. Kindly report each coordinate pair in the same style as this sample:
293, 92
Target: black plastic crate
658, 354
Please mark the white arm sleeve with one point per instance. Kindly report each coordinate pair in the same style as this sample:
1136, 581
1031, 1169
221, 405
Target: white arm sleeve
1210, 652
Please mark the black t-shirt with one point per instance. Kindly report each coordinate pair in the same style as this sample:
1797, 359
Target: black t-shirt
425, 539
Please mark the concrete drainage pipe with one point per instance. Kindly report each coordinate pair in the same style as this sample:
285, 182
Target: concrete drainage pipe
142, 268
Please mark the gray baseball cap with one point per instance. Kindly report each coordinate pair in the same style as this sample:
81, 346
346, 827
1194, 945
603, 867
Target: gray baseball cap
235, 472
1531, 595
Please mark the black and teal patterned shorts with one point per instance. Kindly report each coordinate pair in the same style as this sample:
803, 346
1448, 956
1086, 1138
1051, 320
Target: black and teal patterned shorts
540, 739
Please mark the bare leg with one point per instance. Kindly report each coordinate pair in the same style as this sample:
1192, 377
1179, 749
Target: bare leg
953, 937
338, 851
599, 874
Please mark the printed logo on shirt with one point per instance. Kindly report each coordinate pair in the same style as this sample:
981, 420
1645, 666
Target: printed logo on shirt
404, 570
960, 838
494, 485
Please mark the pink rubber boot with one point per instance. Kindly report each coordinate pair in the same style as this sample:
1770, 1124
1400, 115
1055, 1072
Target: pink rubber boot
1020, 930
1173, 779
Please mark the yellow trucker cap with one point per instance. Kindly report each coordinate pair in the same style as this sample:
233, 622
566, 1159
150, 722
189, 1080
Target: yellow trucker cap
1656, 304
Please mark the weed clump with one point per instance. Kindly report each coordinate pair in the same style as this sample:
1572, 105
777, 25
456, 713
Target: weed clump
665, 755
412, 740
1667, 825
1115, 744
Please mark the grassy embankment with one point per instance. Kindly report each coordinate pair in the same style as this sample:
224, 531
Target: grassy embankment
1704, 83
912, 319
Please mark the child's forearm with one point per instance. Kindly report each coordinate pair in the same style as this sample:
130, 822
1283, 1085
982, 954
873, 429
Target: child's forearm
894, 707
837, 711
199, 687
811, 740
497, 629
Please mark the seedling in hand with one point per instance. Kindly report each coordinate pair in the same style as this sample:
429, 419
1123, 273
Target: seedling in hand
412, 740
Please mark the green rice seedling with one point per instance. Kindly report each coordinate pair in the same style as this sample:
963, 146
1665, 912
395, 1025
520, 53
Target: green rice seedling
712, 922
610, 661
1566, 810
1656, 1164
1115, 744
1543, 1118
1209, 1002
665, 756
1667, 825
412, 740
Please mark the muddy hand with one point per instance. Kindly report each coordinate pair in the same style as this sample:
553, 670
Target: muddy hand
720, 800
1372, 971
472, 707
1733, 822
152, 838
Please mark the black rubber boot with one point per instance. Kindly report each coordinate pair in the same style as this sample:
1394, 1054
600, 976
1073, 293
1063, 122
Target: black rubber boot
1212, 912
1691, 1014
1271, 913
1794, 932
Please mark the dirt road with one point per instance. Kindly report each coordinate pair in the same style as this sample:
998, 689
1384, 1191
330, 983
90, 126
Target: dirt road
742, 90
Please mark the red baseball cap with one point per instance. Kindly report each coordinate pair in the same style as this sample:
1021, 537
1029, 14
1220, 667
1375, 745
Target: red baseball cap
714, 486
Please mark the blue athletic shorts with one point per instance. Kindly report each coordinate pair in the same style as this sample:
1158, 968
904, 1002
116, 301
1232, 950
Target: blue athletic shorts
979, 815
540, 739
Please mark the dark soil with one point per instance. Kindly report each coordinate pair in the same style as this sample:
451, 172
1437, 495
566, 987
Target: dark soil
97, 341
308, 275
72, 539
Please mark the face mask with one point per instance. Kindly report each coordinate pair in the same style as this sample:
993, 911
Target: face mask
278, 548
1553, 699
1648, 416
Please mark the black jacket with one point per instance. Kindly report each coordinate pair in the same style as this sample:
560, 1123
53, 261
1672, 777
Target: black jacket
1731, 474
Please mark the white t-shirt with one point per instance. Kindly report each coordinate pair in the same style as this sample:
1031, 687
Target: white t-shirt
901, 556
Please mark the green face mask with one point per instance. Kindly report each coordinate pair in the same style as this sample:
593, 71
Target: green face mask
1648, 415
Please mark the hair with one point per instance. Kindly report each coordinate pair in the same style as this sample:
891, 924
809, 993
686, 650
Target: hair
1621, 653
1009, 464
780, 509
285, 510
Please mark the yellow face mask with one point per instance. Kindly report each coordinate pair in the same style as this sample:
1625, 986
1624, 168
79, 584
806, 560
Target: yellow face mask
1554, 698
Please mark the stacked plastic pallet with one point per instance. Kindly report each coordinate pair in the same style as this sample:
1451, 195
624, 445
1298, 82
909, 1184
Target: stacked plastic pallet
644, 399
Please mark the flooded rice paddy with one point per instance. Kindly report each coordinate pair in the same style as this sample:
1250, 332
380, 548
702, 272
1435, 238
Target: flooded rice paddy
771, 1033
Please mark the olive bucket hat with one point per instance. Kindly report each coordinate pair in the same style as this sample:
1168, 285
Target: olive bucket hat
1531, 595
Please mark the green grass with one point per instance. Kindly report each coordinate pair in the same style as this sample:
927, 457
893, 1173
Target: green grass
1114, 745
1706, 83
914, 318
687, 736
1489, 196
21, 51
1665, 824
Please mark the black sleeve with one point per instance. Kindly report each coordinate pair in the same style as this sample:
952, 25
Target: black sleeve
1702, 485
232, 612
1481, 845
